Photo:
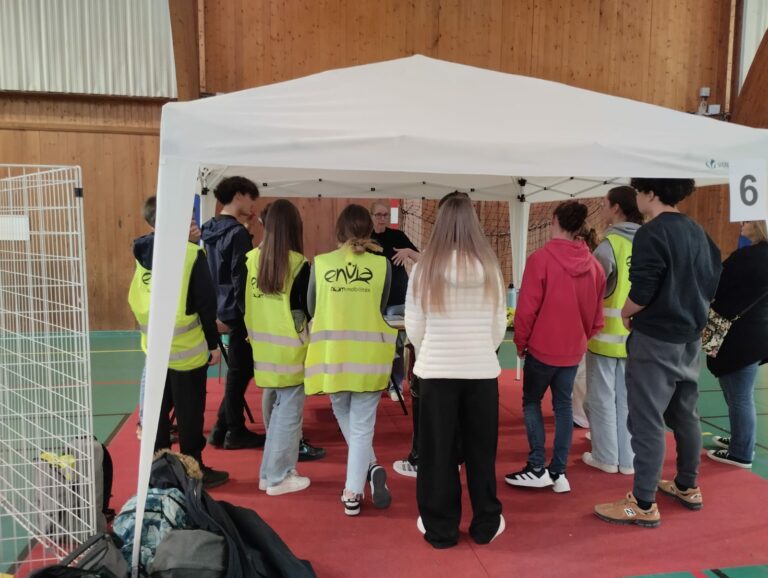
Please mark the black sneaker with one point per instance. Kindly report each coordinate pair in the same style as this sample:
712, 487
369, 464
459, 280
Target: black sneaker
530, 478
213, 478
245, 439
216, 437
380, 495
721, 442
308, 453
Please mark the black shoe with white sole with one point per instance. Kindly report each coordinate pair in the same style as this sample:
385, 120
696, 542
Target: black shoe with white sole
377, 477
529, 477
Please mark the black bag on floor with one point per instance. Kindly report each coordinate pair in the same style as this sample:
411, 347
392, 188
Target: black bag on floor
99, 557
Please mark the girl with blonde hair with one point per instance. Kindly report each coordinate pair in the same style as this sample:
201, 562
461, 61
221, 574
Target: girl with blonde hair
455, 318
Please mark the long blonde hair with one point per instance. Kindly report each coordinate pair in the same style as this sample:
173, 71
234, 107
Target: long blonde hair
458, 229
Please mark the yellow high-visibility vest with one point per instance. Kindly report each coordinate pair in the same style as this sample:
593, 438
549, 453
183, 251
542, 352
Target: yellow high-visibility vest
278, 348
611, 341
189, 349
351, 347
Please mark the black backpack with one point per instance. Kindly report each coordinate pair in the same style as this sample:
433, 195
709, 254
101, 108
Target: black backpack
99, 557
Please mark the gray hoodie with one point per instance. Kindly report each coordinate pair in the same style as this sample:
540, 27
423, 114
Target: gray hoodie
604, 252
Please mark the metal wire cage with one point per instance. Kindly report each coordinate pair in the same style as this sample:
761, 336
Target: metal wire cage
46, 426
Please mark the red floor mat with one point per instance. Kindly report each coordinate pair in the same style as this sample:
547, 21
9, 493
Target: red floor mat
547, 534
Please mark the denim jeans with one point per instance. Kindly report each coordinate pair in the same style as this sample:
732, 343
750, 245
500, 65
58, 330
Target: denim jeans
739, 389
607, 410
281, 449
356, 414
398, 365
537, 377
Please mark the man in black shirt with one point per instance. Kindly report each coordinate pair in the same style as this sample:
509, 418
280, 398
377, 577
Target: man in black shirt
226, 242
397, 247
674, 273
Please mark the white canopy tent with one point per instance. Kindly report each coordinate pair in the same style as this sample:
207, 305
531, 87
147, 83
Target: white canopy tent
414, 128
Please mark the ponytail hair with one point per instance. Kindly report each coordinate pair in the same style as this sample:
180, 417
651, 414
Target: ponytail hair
626, 198
590, 237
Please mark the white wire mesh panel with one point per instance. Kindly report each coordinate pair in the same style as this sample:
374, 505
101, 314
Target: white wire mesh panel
46, 425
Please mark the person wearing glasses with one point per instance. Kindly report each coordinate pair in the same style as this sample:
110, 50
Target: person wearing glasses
399, 250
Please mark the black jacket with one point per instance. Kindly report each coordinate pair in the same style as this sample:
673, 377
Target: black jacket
674, 273
201, 294
254, 548
743, 282
227, 242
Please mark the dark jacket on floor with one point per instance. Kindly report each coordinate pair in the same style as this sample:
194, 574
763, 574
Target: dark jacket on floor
227, 242
743, 282
254, 548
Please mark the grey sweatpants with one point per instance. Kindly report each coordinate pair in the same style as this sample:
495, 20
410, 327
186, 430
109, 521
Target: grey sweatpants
662, 388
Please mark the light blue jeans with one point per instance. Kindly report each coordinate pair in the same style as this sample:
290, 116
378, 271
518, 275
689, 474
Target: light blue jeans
607, 410
356, 414
281, 448
739, 390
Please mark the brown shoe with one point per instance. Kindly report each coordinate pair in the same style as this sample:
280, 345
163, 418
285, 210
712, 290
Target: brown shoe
627, 511
691, 498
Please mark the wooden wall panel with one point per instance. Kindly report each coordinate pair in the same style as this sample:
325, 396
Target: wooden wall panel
650, 50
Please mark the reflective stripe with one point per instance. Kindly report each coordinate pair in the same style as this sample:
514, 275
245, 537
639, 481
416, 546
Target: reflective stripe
373, 336
609, 312
608, 338
358, 368
277, 367
275, 339
177, 330
187, 353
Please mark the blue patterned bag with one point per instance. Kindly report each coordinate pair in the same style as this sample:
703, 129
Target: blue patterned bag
165, 511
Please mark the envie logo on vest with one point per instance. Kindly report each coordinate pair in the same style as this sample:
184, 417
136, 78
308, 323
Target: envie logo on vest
349, 275
146, 277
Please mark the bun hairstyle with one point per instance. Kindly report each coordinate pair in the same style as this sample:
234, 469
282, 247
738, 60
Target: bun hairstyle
626, 198
571, 216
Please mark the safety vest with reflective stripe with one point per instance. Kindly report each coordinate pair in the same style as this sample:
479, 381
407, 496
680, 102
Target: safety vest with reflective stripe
351, 347
611, 341
189, 349
278, 349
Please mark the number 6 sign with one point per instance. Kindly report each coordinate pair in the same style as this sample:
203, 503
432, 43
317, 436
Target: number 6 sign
749, 190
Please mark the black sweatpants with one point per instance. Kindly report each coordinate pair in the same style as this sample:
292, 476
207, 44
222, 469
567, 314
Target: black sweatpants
231, 415
185, 392
468, 408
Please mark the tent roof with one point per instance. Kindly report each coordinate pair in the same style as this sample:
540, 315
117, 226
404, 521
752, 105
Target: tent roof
418, 126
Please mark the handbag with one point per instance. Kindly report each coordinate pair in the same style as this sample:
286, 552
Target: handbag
717, 327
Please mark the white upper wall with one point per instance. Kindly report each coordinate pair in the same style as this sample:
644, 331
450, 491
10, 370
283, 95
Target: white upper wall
107, 47
755, 23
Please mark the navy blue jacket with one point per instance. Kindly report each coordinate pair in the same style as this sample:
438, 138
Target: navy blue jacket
227, 242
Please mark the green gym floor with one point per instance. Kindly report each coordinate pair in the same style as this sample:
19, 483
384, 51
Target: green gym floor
117, 361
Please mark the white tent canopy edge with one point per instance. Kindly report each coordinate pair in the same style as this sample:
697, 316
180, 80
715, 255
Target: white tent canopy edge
406, 121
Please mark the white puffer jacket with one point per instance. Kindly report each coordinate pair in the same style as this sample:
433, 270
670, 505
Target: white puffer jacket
461, 342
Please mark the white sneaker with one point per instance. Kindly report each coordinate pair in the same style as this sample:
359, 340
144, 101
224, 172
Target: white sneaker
560, 484
502, 527
405, 468
293, 482
630, 471
393, 395
351, 504
420, 525
263, 484
590, 460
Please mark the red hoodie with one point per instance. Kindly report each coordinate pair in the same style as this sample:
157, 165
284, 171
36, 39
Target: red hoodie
560, 306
